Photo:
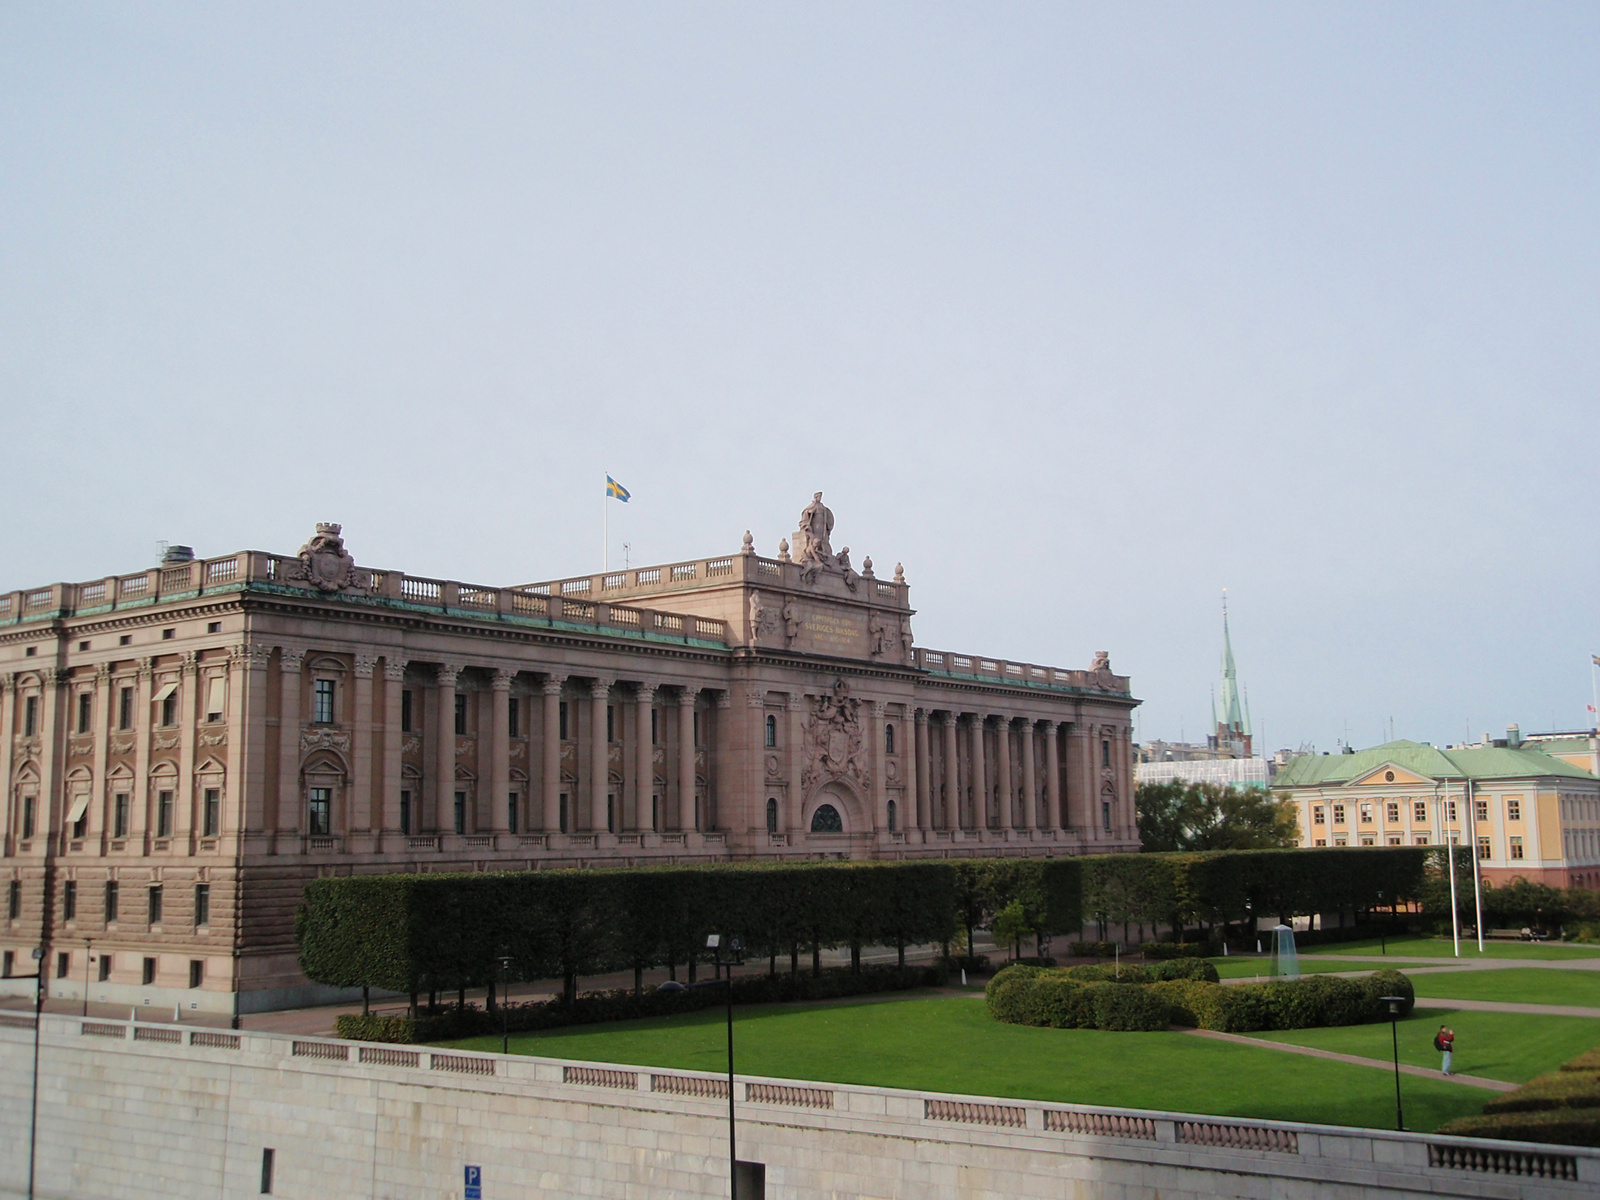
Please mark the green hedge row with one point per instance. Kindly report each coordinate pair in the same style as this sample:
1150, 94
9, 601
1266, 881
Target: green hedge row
1076, 999
1562, 1107
625, 1005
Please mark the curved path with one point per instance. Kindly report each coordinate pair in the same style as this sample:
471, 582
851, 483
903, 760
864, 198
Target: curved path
1478, 1081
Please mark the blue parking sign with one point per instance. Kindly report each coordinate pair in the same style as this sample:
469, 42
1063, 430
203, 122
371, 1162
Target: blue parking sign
474, 1181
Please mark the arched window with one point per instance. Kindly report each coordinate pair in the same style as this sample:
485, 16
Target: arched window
772, 732
891, 816
888, 739
772, 811
826, 820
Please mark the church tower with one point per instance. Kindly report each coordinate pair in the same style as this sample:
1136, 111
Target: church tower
1231, 725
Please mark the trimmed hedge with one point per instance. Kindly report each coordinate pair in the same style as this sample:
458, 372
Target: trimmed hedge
623, 1004
1161, 950
1561, 1127
1559, 1089
1186, 992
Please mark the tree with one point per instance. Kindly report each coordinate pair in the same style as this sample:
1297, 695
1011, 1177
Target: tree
1010, 926
1177, 815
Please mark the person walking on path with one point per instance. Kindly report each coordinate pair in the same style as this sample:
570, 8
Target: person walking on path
1445, 1042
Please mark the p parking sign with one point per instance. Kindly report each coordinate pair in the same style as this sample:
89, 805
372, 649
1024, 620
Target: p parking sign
474, 1183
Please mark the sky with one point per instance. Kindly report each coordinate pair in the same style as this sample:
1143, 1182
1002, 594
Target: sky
1083, 313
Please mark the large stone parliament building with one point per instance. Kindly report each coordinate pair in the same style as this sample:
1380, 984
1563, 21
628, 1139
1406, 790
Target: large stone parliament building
186, 746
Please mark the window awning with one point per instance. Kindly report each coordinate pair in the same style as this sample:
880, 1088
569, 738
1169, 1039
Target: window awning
219, 696
166, 690
79, 805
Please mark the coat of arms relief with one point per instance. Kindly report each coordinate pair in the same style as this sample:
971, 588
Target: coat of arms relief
324, 562
834, 746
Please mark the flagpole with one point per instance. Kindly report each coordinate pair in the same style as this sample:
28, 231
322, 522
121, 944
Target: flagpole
605, 504
1450, 857
1477, 890
1594, 719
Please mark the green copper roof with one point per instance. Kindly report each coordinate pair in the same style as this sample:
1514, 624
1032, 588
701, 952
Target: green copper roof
1473, 762
1232, 715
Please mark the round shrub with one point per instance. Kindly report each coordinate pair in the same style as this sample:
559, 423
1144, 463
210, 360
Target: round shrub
1232, 1010
1186, 999
1102, 973
1060, 1003
1006, 994
1127, 1006
1387, 983
1187, 968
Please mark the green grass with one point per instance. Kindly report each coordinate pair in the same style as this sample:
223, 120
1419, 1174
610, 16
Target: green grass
951, 1044
1516, 985
1510, 1046
1249, 968
1429, 947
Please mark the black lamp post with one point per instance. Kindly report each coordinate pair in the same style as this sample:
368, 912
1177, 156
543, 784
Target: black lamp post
38, 1021
88, 957
1383, 931
735, 950
1394, 1003
505, 995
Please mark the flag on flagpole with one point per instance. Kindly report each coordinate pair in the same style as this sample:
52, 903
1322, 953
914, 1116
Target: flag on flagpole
1595, 659
615, 490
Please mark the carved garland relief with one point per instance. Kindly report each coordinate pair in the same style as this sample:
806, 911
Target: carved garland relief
834, 742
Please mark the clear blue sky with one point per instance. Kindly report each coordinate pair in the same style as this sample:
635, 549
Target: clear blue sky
1082, 312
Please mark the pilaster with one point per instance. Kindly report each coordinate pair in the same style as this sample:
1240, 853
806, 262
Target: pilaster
599, 755
795, 712
686, 699
550, 753
644, 771
444, 761
1002, 731
500, 752
290, 659
362, 802
1030, 782
924, 808
1055, 817
386, 813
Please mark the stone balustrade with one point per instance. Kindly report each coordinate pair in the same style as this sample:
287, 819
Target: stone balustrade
749, 569
998, 670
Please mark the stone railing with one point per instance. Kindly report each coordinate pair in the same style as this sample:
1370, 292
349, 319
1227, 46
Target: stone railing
749, 569
1334, 1160
1017, 674
181, 581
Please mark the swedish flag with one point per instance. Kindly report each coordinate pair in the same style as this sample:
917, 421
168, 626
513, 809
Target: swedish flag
616, 490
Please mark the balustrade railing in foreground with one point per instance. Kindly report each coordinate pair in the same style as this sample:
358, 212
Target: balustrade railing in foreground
1426, 1163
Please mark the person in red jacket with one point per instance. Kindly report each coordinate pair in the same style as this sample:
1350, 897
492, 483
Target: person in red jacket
1445, 1042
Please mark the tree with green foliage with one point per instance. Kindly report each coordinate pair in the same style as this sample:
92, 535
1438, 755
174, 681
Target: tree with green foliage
1182, 816
1010, 926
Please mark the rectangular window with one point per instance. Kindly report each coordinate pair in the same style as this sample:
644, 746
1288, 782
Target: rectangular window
197, 972
1483, 848
163, 815
611, 812
266, 1171
513, 716
1393, 839
155, 904
216, 699
1318, 815
1105, 815
30, 716
1338, 814
1513, 810
1419, 812
1391, 812
561, 716
213, 626
461, 715
69, 900
169, 710
202, 904
1450, 811
405, 812
148, 975
511, 812
28, 814
1516, 847
461, 812
322, 702
211, 813
1322, 841
1366, 812
111, 900
1480, 809
405, 712
80, 827
14, 900
1105, 754
319, 811
1341, 841
655, 731
564, 814
104, 966
85, 711
63, 964
8, 964
125, 708
1420, 839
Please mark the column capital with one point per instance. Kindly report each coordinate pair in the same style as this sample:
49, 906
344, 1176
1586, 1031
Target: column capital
920, 717
365, 664
102, 674
290, 658
553, 684
687, 696
448, 674
878, 709
394, 669
1049, 726
645, 693
795, 702
755, 700
146, 669
58, 676
500, 681
188, 662
8, 682
722, 699
249, 656
600, 689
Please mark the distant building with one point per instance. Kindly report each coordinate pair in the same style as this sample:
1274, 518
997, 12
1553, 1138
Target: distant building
1535, 812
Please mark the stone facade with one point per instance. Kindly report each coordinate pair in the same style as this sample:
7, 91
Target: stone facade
186, 746
141, 1111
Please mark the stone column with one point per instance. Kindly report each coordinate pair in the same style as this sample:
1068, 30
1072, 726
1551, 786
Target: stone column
906, 744
686, 759
363, 804
550, 753
8, 725
599, 755
244, 808
105, 709
289, 684
1082, 791
52, 747
1030, 783
644, 771
387, 810
1003, 769
720, 738
954, 815
143, 727
793, 765
500, 751
1052, 778
924, 779
980, 775
187, 802
444, 763
878, 764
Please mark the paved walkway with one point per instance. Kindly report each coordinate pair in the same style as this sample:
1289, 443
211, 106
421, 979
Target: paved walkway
1478, 1081
1508, 1006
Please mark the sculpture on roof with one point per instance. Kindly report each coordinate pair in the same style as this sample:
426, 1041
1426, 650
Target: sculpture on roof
811, 544
324, 562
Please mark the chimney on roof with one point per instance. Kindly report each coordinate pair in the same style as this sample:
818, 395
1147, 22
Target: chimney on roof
1513, 736
1484, 740
177, 554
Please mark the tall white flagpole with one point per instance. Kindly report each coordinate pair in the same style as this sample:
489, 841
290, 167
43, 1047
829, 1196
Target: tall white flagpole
1594, 690
1477, 891
1450, 856
605, 504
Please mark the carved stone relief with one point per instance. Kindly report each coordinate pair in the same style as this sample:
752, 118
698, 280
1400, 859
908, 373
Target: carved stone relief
324, 562
324, 739
834, 742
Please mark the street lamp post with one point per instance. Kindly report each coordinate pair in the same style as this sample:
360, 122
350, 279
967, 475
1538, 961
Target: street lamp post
735, 947
1394, 1003
38, 1020
505, 995
88, 957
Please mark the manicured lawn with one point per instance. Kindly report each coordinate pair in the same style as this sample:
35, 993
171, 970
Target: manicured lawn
1510, 1046
1517, 985
1443, 948
951, 1044
1249, 968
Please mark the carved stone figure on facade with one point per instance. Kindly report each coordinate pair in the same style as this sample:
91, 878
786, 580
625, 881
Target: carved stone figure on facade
878, 634
791, 621
842, 561
811, 540
905, 639
763, 620
1102, 663
834, 742
324, 562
